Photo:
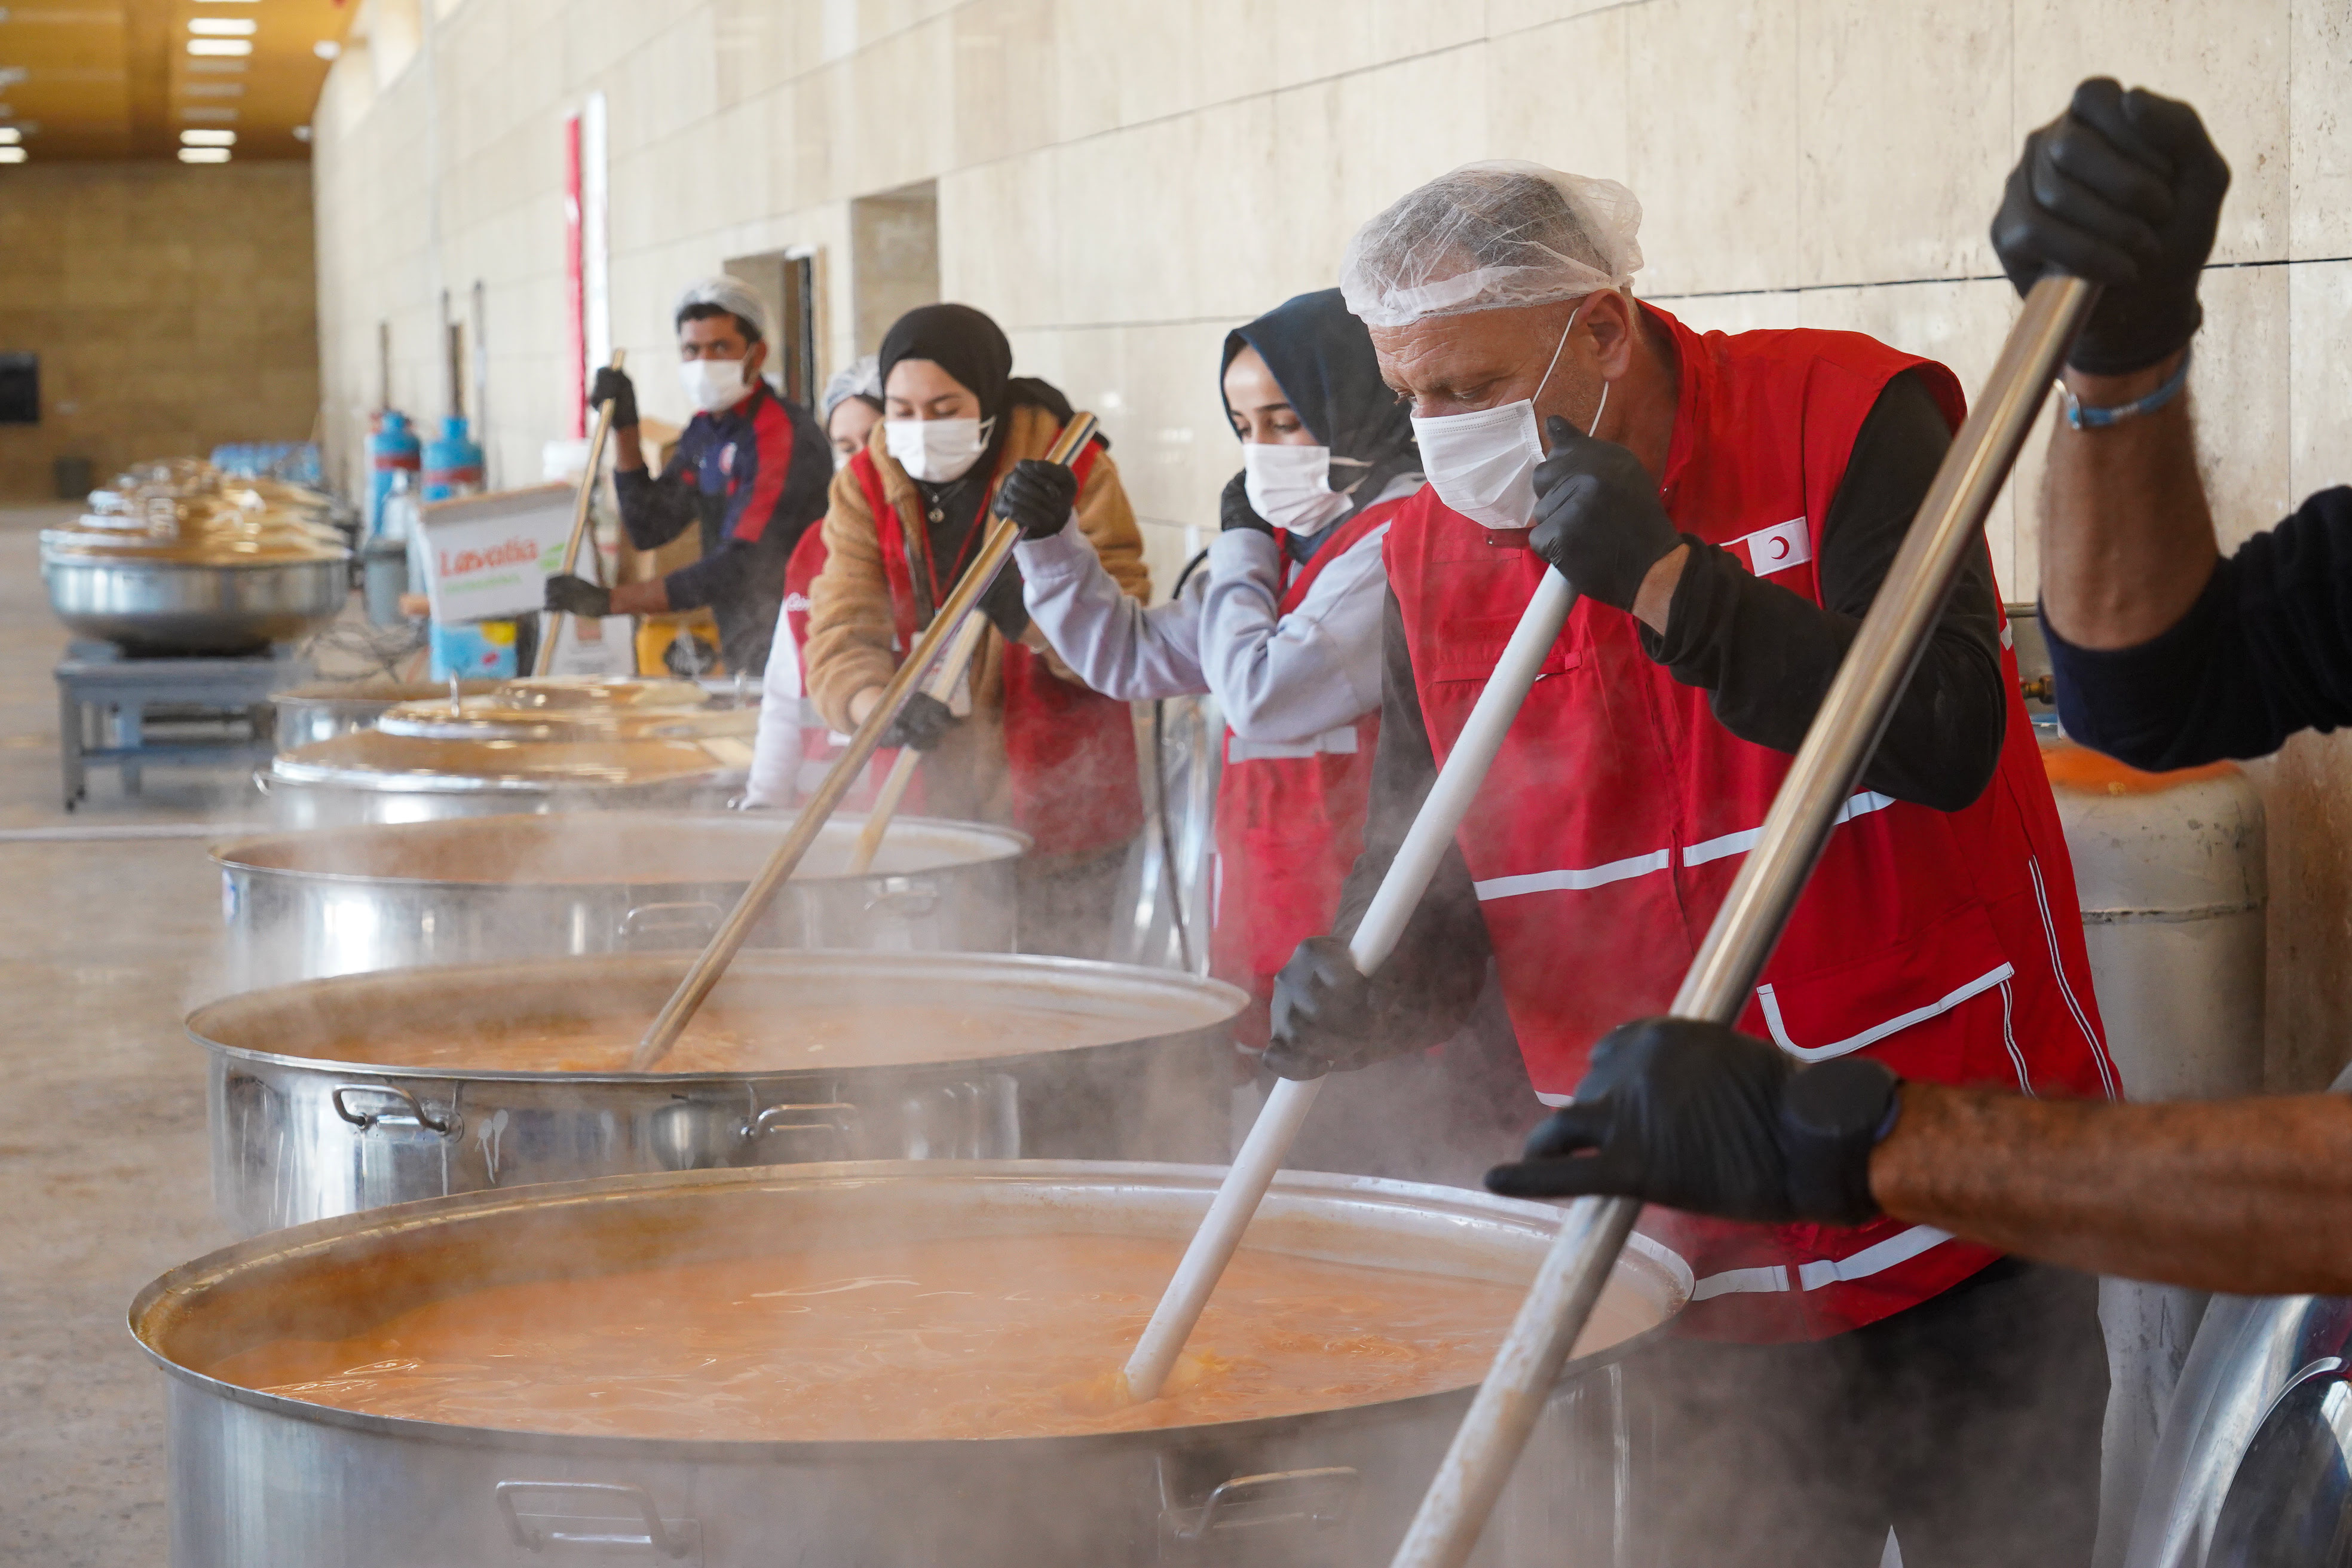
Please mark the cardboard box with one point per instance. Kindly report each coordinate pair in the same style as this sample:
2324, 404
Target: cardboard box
490, 556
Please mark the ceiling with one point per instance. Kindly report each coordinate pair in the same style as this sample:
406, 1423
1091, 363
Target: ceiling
116, 79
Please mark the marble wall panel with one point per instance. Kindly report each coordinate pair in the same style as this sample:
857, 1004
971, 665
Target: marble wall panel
1309, 40
1555, 94
1904, 136
2242, 386
2230, 60
1508, 18
2319, 136
2319, 303
1004, 97
1712, 149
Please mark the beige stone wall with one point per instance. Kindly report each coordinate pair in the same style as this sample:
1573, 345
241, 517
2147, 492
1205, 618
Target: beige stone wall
171, 308
1121, 181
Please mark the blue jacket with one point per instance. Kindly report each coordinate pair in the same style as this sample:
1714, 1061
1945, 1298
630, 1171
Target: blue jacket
753, 478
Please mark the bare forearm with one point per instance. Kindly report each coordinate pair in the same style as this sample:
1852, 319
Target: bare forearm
2253, 1196
628, 451
2126, 536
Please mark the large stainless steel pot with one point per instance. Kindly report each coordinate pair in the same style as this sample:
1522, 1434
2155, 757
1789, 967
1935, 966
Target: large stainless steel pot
341, 900
302, 1130
262, 1481
368, 777
153, 606
307, 714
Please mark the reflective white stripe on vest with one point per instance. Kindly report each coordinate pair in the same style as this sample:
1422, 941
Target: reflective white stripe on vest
1740, 843
1338, 743
1574, 880
1876, 1032
1900, 1248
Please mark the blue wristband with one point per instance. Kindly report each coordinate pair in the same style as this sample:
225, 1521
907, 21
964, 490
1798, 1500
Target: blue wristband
2085, 419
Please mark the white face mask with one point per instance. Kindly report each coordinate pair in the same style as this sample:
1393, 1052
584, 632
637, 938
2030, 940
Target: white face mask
712, 385
1483, 464
1291, 486
937, 450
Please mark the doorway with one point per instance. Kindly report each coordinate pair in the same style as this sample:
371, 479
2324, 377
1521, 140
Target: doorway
787, 281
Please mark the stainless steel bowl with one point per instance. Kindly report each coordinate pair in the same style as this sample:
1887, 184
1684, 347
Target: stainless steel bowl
305, 1126
263, 1482
343, 901
167, 606
367, 777
307, 714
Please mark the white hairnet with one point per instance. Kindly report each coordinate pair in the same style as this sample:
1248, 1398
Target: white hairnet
730, 294
1489, 235
861, 379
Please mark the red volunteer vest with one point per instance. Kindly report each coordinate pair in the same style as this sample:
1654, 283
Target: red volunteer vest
1946, 944
1070, 751
819, 745
1290, 821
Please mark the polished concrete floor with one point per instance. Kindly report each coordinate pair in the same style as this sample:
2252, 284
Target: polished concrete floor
104, 943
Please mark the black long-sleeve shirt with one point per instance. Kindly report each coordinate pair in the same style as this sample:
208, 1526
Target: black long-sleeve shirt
2266, 650
753, 478
1766, 656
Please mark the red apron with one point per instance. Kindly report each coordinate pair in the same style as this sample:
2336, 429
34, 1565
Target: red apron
1290, 821
819, 745
1070, 752
1946, 944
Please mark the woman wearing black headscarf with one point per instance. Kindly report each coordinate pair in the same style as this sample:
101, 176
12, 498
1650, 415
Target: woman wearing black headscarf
1283, 626
960, 437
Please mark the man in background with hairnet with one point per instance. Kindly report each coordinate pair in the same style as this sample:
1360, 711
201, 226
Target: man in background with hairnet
1835, 1394
750, 470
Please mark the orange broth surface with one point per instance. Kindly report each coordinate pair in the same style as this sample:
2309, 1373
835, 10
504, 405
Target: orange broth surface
871, 1032
994, 1336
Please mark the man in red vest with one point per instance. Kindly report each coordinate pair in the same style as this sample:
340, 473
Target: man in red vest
1727, 506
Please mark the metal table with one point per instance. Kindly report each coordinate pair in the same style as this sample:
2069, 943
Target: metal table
115, 710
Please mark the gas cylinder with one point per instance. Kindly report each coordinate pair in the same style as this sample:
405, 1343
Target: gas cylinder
2171, 872
391, 448
453, 462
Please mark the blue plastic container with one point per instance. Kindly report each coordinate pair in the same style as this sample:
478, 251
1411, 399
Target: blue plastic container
392, 448
453, 462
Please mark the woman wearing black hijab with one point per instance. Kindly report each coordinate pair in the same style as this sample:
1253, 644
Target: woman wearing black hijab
1284, 626
961, 438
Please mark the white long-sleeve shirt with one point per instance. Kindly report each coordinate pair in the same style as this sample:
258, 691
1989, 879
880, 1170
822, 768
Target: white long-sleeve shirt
1279, 679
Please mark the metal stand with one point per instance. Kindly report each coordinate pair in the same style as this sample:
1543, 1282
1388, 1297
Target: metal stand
115, 710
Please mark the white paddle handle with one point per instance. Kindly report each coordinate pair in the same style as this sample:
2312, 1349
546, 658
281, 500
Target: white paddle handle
902, 766
1425, 842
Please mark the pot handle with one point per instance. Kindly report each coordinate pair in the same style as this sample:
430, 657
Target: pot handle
261, 780
1321, 1498
833, 1115
647, 925
537, 1531
363, 1119
903, 900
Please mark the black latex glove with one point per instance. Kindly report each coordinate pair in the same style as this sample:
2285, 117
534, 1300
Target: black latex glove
1327, 1016
1002, 603
1699, 1117
922, 724
578, 597
1038, 495
1234, 510
615, 385
1598, 519
2124, 189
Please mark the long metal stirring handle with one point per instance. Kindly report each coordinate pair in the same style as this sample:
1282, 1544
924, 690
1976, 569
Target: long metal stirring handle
711, 964
902, 766
580, 509
1270, 1137
1843, 734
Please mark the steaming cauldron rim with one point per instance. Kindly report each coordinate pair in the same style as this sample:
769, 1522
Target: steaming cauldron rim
1013, 844
749, 965
320, 1237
